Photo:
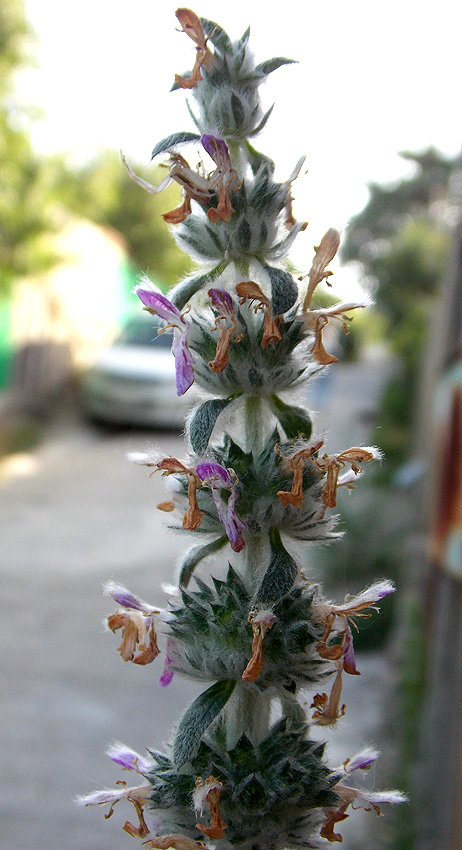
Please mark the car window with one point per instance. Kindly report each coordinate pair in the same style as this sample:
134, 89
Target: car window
144, 331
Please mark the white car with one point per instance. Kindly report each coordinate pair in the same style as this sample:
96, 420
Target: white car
132, 382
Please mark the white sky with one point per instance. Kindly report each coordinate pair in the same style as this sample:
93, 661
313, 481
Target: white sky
373, 78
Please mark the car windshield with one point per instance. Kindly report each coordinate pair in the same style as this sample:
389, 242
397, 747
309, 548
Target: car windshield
143, 330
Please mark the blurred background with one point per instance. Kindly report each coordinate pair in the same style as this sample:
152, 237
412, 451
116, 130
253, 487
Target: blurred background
373, 103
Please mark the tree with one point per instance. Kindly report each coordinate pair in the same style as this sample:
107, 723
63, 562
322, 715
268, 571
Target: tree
103, 192
26, 200
400, 241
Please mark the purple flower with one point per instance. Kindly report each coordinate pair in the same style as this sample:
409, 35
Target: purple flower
126, 598
159, 305
129, 759
355, 606
166, 677
222, 302
137, 623
233, 525
360, 761
227, 324
224, 178
214, 475
218, 150
217, 478
184, 362
167, 673
349, 658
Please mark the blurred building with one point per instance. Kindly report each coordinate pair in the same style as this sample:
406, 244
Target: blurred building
57, 322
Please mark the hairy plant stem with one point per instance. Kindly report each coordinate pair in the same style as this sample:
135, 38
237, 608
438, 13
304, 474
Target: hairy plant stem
254, 427
255, 630
248, 712
256, 556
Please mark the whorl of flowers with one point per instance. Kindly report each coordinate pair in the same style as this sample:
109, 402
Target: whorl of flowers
254, 480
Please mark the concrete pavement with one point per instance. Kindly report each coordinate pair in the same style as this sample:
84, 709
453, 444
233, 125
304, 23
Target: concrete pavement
73, 514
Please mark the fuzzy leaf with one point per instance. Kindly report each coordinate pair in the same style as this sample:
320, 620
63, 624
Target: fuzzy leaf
216, 34
244, 235
284, 290
280, 575
198, 718
174, 139
244, 38
282, 248
262, 123
240, 50
203, 422
257, 159
238, 110
265, 68
181, 293
295, 420
195, 556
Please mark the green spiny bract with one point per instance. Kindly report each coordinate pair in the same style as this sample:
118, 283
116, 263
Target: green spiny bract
271, 792
254, 482
258, 228
259, 479
252, 369
212, 636
227, 96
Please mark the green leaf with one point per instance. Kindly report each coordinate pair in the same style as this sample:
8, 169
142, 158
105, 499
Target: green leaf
203, 422
284, 290
262, 123
216, 34
244, 235
296, 421
198, 718
280, 575
240, 50
244, 38
174, 139
257, 159
265, 68
195, 555
181, 293
238, 110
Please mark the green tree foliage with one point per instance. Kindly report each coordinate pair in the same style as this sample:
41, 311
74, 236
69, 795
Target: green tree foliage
13, 31
26, 207
400, 241
37, 192
26, 196
103, 192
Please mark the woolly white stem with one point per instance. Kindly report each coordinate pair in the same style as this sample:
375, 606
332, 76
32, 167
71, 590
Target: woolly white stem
256, 557
248, 712
254, 425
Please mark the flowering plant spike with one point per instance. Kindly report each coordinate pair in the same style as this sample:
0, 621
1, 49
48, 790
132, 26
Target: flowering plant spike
242, 771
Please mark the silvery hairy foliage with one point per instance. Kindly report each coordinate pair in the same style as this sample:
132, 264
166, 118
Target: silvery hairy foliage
243, 770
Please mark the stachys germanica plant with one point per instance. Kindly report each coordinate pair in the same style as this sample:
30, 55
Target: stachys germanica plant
242, 770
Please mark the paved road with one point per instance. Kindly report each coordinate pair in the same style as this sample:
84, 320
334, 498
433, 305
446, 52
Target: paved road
74, 513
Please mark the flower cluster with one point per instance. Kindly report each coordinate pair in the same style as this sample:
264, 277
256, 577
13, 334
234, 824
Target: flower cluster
254, 480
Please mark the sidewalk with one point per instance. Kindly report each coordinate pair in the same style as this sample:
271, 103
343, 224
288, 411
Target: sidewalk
76, 515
